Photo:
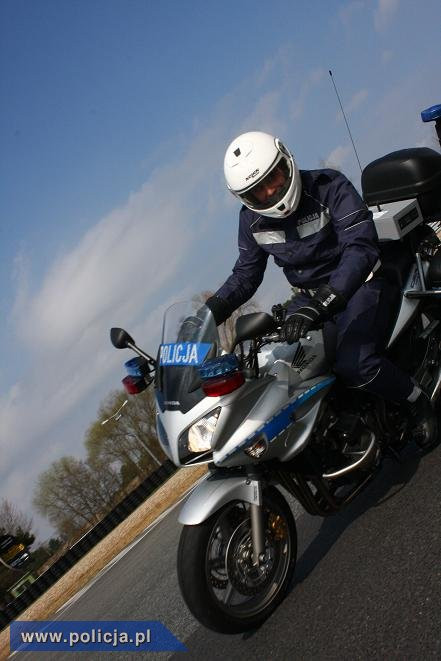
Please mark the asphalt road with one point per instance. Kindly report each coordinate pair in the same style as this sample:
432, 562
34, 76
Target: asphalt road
367, 582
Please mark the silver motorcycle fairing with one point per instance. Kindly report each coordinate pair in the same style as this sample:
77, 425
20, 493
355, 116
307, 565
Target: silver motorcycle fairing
408, 306
174, 423
284, 438
295, 378
285, 430
214, 492
233, 408
259, 404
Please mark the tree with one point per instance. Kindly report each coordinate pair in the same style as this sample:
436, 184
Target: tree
227, 329
71, 493
53, 544
128, 440
14, 522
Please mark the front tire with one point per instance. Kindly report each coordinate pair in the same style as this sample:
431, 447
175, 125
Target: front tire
219, 583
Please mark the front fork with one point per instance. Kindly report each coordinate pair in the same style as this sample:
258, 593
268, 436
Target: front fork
254, 478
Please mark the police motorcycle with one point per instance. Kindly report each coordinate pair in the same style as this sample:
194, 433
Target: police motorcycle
262, 414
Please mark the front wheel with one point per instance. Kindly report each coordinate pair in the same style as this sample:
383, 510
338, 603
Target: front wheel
220, 584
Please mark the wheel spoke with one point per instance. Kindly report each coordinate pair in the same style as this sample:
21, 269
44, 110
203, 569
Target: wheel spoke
228, 593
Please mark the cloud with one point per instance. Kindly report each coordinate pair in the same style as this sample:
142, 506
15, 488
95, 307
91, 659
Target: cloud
337, 157
20, 281
428, 140
395, 120
124, 271
265, 115
347, 12
267, 70
312, 80
276, 107
386, 56
355, 102
384, 13
115, 275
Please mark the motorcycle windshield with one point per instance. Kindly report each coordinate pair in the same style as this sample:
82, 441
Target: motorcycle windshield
189, 337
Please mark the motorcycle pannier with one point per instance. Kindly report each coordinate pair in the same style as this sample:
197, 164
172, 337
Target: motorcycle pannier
405, 174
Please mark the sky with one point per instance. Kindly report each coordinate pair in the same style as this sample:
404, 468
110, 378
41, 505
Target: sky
114, 119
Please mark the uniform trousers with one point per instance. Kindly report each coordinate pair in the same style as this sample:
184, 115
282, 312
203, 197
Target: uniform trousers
356, 338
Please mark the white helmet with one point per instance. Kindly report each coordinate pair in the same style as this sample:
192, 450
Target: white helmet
249, 159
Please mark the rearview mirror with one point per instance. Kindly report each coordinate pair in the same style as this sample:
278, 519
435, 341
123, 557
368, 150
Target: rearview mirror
250, 326
120, 338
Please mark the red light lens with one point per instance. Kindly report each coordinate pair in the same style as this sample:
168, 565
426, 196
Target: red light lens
223, 385
134, 384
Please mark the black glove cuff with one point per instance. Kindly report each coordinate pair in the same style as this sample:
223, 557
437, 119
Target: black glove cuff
330, 300
219, 308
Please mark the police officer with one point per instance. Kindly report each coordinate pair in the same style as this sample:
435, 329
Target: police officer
319, 230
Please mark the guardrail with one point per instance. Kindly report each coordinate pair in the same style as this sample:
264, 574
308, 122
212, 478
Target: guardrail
87, 542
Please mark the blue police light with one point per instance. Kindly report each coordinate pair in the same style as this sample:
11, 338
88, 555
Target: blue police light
137, 366
219, 366
432, 113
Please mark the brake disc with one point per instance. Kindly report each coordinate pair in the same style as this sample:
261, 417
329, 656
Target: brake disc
217, 565
247, 578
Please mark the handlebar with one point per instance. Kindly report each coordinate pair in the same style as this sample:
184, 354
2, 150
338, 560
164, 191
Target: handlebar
276, 337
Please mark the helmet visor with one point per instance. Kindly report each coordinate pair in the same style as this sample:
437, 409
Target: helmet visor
271, 189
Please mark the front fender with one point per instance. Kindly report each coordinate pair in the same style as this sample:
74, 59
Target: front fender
214, 492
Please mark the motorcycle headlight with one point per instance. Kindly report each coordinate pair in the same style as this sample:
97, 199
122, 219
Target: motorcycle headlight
201, 432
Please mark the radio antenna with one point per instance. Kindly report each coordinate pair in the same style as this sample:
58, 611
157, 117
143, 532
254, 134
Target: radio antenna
346, 121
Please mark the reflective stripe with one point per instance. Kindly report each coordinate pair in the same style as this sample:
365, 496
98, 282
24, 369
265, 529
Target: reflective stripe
367, 382
313, 226
350, 214
377, 266
273, 236
351, 226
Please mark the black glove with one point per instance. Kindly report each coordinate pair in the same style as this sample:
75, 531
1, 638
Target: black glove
220, 309
323, 305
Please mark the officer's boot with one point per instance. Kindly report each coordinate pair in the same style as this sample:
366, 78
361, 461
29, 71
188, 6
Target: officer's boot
424, 422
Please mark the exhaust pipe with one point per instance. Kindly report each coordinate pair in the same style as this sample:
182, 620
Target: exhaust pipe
437, 388
369, 454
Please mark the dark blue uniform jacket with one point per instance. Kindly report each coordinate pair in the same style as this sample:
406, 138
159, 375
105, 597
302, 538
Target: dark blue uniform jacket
330, 238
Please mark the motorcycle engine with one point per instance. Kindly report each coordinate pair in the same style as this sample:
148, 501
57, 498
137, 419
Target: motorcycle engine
340, 436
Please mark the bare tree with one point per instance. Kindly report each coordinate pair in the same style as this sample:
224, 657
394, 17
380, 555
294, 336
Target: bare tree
13, 521
128, 440
227, 329
73, 491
